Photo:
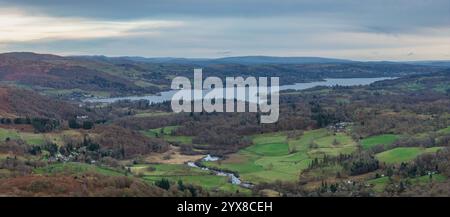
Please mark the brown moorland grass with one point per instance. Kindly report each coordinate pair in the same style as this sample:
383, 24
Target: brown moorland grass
76, 185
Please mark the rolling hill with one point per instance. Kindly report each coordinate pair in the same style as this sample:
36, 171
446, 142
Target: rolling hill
50, 71
17, 102
84, 76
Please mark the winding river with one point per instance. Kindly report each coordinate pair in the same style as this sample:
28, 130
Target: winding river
233, 179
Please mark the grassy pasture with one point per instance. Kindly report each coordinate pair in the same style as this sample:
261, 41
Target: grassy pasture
403, 154
152, 114
384, 139
6, 133
38, 139
444, 131
165, 133
379, 184
427, 179
276, 157
189, 175
30, 138
269, 138
270, 149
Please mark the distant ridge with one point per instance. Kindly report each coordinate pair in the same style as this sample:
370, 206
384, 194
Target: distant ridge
437, 63
247, 60
255, 60
279, 60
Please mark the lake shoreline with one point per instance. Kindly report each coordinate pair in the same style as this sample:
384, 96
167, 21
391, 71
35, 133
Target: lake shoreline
165, 96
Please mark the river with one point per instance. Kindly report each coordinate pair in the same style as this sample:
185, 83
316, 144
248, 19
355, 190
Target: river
233, 179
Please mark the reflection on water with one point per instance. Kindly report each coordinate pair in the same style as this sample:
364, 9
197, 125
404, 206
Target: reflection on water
167, 95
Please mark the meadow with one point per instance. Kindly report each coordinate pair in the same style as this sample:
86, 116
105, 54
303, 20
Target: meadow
166, 134
384, 139
188, 175
274, 156
37, 138
403, 154
271, 157
379, 184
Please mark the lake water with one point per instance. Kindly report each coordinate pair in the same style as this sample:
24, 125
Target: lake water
167, 95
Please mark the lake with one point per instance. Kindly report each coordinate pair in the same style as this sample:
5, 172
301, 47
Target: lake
167, 95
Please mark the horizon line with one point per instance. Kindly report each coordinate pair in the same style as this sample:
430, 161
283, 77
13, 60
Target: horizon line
223, 57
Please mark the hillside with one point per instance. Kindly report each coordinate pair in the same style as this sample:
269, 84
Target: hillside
16, 102
76, 77
41, 71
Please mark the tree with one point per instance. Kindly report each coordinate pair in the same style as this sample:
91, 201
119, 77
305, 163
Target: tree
163, 183
52, 148
389, 172
292, 150
73, 124
335, 142
181, 186
88, 125
43, 125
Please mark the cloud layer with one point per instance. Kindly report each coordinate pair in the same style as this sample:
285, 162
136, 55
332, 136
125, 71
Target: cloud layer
364, 30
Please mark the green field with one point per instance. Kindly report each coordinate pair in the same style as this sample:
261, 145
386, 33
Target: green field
444, 131
151, 114
165, 133
275, 157
379, 184
30, 138
6, 133
36, 138
270, 149
384, 139
33, 138
269, 138
403, 154
427, 179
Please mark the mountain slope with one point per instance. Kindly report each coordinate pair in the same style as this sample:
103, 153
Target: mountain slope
81, 76
16, 102
49, 71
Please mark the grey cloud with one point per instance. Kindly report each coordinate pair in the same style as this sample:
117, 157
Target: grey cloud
248, 27
375, 15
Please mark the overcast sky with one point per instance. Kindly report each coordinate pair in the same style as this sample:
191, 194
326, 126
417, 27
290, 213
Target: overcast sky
351, 29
